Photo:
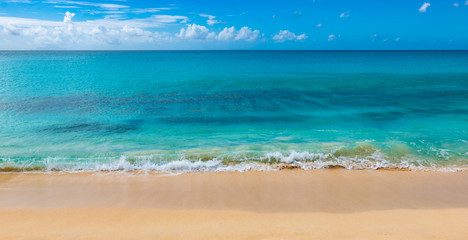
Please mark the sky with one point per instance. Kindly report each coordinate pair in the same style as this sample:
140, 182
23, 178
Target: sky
232, 25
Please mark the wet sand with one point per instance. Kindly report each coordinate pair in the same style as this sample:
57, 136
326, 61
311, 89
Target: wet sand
288, 204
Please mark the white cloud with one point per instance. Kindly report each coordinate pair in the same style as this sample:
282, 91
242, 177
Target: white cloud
456, 4
154, 21
109, 6
28, 33
247, 34
227, 34
319, 25
207, 16
299, 13
212, 22
197, 32
211, 19
37, 33
466, 3
384, 38
11, 30
169, 18
149, 10
18, 1
331, 37
98, 35
345, 14
68, 17
286, 35
301, 37
68, 7
424, 7
194, 31
27, 22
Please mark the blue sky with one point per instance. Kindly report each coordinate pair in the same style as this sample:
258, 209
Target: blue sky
261, 24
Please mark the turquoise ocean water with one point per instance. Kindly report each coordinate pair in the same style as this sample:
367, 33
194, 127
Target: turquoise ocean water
233, 110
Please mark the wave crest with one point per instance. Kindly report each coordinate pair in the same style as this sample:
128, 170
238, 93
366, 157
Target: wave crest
359, 157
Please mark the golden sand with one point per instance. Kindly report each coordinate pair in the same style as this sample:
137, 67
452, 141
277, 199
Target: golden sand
289, 204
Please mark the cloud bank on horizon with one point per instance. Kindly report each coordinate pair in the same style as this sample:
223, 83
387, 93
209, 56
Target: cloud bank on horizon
318, 24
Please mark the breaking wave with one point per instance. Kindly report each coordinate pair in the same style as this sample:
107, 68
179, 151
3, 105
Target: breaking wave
356, 158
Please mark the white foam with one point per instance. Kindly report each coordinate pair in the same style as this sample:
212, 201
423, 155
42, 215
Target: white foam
183, 165
269, 161
307, 160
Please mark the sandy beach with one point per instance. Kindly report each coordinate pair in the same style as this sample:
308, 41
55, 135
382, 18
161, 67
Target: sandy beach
287, 204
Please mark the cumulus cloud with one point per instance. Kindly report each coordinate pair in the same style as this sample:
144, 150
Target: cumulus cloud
68, 17
227, 34
331, 37
424, 7
345, 14
211, 19
244, 34
319, 25
196, 32
247, 34
94, 32
286, 35
456, 4
107, 32
98, 35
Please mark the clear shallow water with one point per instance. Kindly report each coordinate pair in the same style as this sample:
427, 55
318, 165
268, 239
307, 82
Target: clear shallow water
233, 110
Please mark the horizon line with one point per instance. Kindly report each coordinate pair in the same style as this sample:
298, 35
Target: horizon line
239, 50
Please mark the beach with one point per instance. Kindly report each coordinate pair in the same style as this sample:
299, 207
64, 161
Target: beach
286, 204
233, 145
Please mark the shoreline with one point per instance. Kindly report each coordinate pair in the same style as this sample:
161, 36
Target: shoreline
287, 204
208, 166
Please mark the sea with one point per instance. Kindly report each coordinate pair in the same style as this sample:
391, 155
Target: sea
185, 111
